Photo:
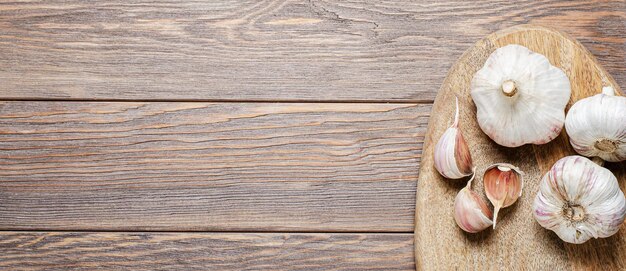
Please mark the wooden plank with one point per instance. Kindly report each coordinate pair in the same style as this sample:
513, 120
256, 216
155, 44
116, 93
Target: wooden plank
269, 50
518, 242
204, 251
209, 166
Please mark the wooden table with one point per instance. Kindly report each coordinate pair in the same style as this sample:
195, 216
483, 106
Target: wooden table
234, 135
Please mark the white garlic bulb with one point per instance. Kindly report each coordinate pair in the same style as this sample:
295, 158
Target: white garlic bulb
471, 213
452, 156
596, 126
578, 200
520, 98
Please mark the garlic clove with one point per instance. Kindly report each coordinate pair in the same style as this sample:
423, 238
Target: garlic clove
579, 200
452, 156
519, 89
471, 213
596, 126
503, 186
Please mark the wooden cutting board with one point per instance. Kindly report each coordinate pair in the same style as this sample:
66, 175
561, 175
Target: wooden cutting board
518, 242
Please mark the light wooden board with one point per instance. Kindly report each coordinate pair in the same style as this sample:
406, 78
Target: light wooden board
204, 251
268, 50
209, 166
518, 241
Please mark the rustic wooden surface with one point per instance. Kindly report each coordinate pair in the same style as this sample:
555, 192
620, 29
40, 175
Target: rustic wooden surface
269, 50
209, 166
198, 251
518, 240
185, 134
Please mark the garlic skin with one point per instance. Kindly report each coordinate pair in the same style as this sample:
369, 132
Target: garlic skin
503, 186
596, 126
520, 98
578, 200
451, 155
471, 213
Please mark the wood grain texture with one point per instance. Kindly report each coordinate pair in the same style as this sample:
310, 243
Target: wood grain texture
209, 166
518, 241
204, 251
269, 50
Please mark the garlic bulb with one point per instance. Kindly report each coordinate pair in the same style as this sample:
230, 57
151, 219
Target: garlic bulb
520, 98
452, 156
596, 126
503, 186
470, 211
579, 199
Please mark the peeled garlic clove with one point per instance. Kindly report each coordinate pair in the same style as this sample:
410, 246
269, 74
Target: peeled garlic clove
578, 200
470, 211
520, 98
452, 156
596, 126
503, 186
